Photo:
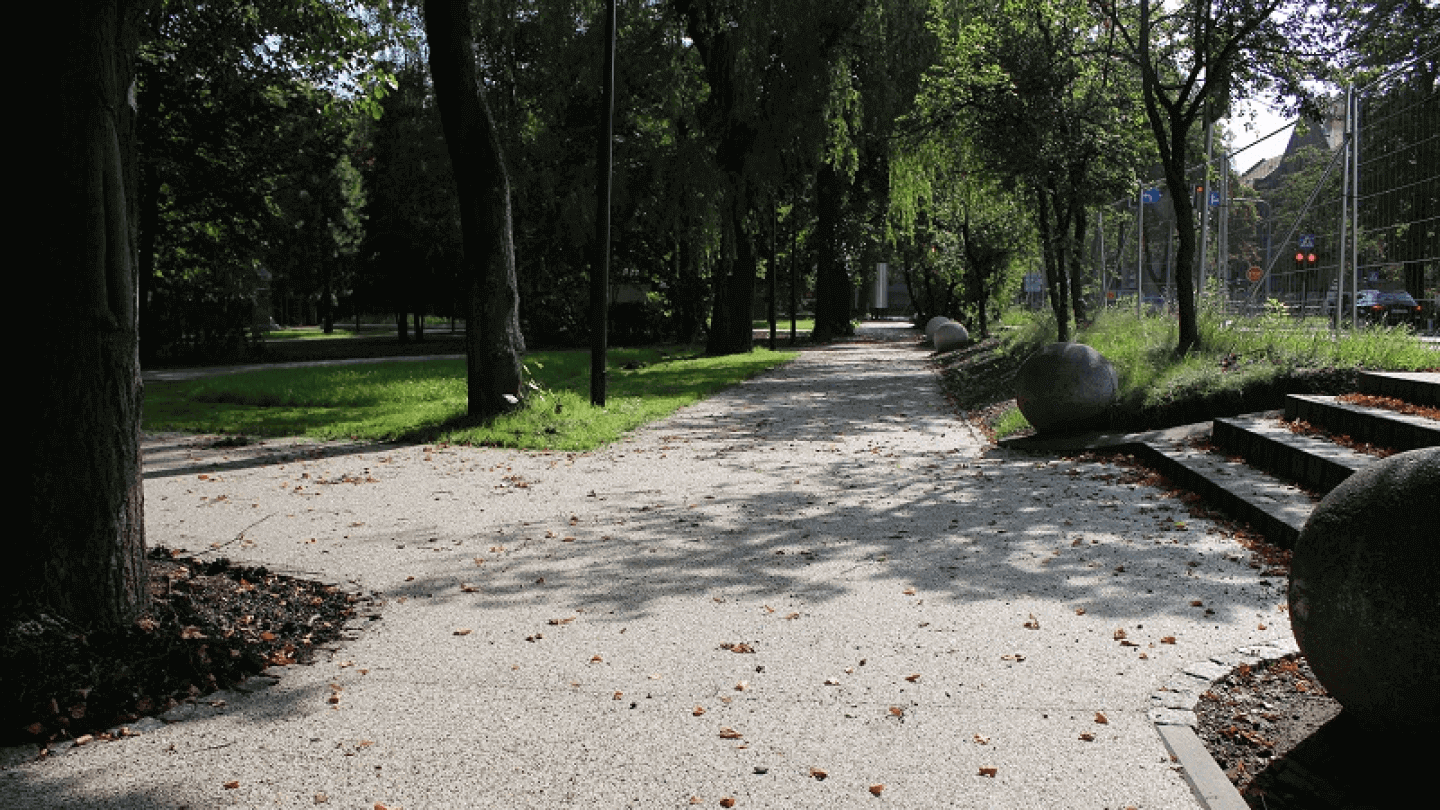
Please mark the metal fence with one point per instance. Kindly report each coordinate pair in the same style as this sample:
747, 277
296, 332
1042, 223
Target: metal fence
1352, 204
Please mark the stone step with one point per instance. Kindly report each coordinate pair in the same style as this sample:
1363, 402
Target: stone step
1265, 442
1415, 387
1377, 426
1275, 507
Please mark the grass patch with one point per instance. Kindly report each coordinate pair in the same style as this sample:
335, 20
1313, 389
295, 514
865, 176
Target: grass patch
306, 333
425, 401
1244, 364
805, 325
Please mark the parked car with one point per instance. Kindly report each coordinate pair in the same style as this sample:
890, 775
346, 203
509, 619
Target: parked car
1374, 306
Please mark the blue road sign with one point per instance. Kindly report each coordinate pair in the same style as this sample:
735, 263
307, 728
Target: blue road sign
1214, 199
1307, 240
1150, 195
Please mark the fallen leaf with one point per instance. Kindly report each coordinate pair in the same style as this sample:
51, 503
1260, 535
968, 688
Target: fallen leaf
595, 659
697, 711
1167, 640
792, 616
231, 785
897, 711
1196, 603
816, 773
876, 790
742, 686
462, 631
1015, 657
566, 620
982, 740
831, 682
696, 800
321, 798
990, 772
1087, 737
1079, 611
909, 591
618, 695
1259, 627
727, 733
1119, 633
913, 678
468, 588
1033, 624
85, 738
1101, 718
191, 632
727, 802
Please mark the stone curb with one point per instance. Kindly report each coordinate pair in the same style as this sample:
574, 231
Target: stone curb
1172, 711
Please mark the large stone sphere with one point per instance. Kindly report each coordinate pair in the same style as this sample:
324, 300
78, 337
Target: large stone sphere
1365, 591
950, 336
935, 323
1065, 386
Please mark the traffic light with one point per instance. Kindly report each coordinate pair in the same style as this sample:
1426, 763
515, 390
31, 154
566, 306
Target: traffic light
1299, 262
1310, 261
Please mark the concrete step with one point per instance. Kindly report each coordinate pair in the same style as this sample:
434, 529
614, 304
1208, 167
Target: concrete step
1416, 387
1377, 426
1275, 507
1263, 441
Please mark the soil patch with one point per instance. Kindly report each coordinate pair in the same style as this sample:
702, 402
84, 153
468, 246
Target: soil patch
210, 625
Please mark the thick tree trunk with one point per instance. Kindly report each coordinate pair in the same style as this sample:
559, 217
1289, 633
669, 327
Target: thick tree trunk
82, 553
832, 283
730, 317
493, 343
1074, 240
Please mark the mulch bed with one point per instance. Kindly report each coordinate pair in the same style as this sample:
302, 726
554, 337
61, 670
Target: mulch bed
210, 625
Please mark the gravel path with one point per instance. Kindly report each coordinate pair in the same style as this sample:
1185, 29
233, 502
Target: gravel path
822, 568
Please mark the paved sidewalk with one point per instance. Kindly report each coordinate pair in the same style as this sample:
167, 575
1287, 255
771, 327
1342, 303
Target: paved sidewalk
901, 607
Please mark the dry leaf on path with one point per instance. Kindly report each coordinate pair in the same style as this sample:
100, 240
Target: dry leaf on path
990, 772
1167, 640
462, 631
727, 733
816, 773
877, 789
1119, 633
1033, 624
1087, 737
982, 740
1101, 718
231, 785
727, 802
913, 678
697, 711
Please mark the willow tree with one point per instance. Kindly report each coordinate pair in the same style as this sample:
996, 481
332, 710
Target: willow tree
1036, 88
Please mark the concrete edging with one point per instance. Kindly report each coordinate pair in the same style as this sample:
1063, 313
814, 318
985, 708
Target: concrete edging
1172, 713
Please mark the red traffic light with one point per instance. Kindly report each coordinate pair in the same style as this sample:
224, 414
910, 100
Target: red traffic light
1310, 258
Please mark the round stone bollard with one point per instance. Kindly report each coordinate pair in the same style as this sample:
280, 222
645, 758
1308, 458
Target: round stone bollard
935, 323
1066, 386
950, 336
1365, 592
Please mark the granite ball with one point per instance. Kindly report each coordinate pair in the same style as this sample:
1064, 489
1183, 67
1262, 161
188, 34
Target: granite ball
1365, 592
1065, 386
950, 336
935, 323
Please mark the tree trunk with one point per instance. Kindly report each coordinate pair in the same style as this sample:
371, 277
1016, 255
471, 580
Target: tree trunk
82, 554
730, 319
493, 343
1054, 274
1072, 252
832, 283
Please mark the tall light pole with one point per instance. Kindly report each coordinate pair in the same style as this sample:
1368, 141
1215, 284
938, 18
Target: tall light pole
600, 270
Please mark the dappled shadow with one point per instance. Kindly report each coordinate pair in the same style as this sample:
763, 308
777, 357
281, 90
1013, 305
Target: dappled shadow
895, 489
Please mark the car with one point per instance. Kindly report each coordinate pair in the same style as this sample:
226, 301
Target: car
1378, 307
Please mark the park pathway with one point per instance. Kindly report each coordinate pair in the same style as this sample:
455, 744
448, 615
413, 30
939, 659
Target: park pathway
812, 585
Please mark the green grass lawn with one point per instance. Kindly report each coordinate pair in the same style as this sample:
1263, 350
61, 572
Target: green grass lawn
782, 325
425, 401
1243, 364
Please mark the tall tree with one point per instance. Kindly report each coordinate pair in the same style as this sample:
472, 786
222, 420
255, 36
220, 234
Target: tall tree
80, 554
493, 343
1035, 87
1191, 58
